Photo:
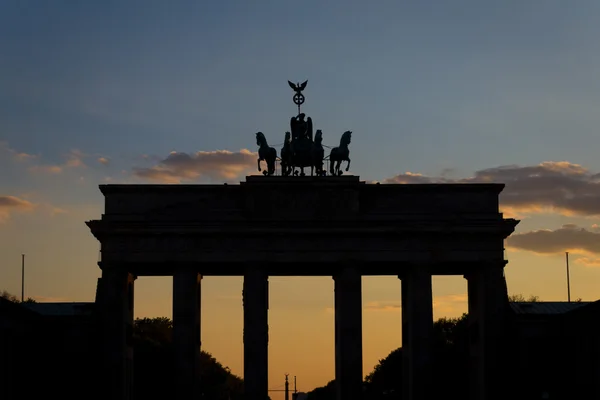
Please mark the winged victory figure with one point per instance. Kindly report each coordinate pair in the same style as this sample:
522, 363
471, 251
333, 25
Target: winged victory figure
298, 87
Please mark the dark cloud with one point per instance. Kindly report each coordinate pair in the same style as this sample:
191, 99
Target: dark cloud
570, 238
561, 186
220, 164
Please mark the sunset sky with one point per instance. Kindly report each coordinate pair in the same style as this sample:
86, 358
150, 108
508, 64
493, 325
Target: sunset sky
153, 92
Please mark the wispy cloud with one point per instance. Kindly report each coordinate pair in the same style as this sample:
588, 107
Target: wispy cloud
382, 306
13, 204
443, 306
452, 305
589, 262
14, 154
74, 159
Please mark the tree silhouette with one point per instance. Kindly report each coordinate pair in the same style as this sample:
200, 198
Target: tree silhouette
385, 381
450, 348
153, 372
10, 297
326, 392
519, 298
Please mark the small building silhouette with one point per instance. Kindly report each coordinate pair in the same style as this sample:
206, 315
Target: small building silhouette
46, 350
556, 349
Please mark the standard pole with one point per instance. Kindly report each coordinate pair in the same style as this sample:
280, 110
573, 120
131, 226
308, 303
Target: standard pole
22, 278
568, 279
287, 388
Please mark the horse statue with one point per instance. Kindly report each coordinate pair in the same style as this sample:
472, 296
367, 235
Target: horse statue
318, 153
286, 155
339, 154
266, 153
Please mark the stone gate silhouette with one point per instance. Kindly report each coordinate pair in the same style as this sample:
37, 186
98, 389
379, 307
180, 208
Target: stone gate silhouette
332, 226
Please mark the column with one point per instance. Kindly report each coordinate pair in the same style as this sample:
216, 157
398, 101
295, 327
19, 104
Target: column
488, 304
114, 303
256, 335
417, 333
186, 333
348, 335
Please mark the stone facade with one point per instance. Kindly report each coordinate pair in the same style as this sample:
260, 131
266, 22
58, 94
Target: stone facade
329, 226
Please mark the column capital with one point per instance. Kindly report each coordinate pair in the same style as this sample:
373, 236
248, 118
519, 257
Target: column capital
113, 266
484, 269
413, 269
347, 271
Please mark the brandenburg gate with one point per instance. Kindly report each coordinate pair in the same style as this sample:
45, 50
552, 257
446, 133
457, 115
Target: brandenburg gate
301, 225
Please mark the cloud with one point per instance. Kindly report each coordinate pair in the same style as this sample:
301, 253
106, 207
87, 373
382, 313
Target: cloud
74, 159
443, 306
382, 306
569, 237
56, 211
450, 306
16, 155
220, 164
589, 262
558, 186
46, 169
11, 204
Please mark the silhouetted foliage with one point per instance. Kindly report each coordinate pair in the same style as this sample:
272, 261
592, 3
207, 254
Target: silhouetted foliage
451, 357
153, 371
385, 382
324, 392
450, 348
519, 298
10, 297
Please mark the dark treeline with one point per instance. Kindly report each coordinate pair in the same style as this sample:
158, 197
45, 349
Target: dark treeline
50, 353
450, 367
153, 371
58, 357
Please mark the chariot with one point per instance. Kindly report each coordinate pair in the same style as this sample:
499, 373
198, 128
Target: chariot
300, 150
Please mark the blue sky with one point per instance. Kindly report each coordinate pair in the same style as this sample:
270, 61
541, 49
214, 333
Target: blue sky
95, 92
